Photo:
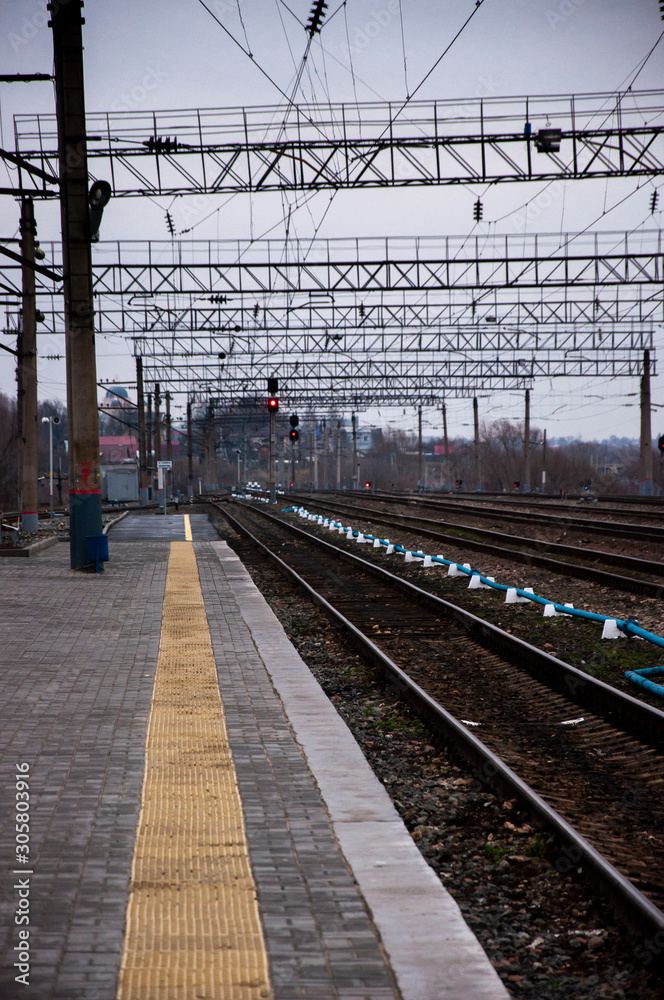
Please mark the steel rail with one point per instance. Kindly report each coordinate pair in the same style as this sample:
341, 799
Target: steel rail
631, 584
618, 529
637, 909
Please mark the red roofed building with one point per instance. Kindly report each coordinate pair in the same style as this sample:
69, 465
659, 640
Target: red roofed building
118, 448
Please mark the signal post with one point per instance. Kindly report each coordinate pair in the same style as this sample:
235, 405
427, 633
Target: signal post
273, 409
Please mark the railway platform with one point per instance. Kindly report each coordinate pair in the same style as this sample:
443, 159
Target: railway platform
194, 818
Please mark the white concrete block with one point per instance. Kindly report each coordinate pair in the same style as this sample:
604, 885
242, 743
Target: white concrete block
511, 597
611, 630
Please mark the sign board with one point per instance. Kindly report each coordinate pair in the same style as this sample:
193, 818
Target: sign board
164, 465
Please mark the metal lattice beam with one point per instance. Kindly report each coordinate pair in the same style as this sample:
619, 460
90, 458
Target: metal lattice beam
492, 340
369, 145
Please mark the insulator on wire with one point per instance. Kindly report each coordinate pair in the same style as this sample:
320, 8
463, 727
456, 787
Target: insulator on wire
161, 144
478, 210
257, 310
169, 223
316, 15
654, 198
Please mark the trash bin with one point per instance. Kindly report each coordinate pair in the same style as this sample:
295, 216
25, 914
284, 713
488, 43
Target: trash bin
97, 551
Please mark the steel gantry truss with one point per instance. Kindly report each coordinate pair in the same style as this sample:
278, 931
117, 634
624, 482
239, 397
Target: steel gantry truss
366, 145
385, 286
391, 378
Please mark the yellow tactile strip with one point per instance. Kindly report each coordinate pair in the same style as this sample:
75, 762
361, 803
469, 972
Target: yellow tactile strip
193, 929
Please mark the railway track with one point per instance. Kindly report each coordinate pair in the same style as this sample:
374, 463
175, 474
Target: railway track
592, 776
519, 549
614, 504
615, 529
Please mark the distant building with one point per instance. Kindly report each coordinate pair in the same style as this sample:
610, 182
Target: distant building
118, 448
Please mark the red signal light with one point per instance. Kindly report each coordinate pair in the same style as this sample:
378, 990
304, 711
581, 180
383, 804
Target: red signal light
273, 403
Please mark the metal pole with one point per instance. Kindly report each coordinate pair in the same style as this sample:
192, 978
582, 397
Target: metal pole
190, 452
419, 447
142, 451
544, 462
526, 446
476, 425
27, 361
85, 517
272, 476
50, 466
645, 457
292, 462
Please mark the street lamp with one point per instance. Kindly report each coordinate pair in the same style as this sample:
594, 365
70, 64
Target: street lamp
50, 421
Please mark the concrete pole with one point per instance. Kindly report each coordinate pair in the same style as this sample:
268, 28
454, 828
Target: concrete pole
544, 462
311, 458
157, 424
356, 474
526, 446
150, 446
190, 452
27, 401
157, 449
325, 447
142, 449
476, 425
446, 448
645, 457
168, 478
85, 518
419, 447
212, 454
338, 454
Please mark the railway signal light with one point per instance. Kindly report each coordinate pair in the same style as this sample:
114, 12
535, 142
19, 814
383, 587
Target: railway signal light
273, 404
294, 420
294, 435
459, 483
478, 210
660, 443
516, 484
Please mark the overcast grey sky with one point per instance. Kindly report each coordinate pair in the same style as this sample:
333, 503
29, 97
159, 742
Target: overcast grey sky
146, 55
